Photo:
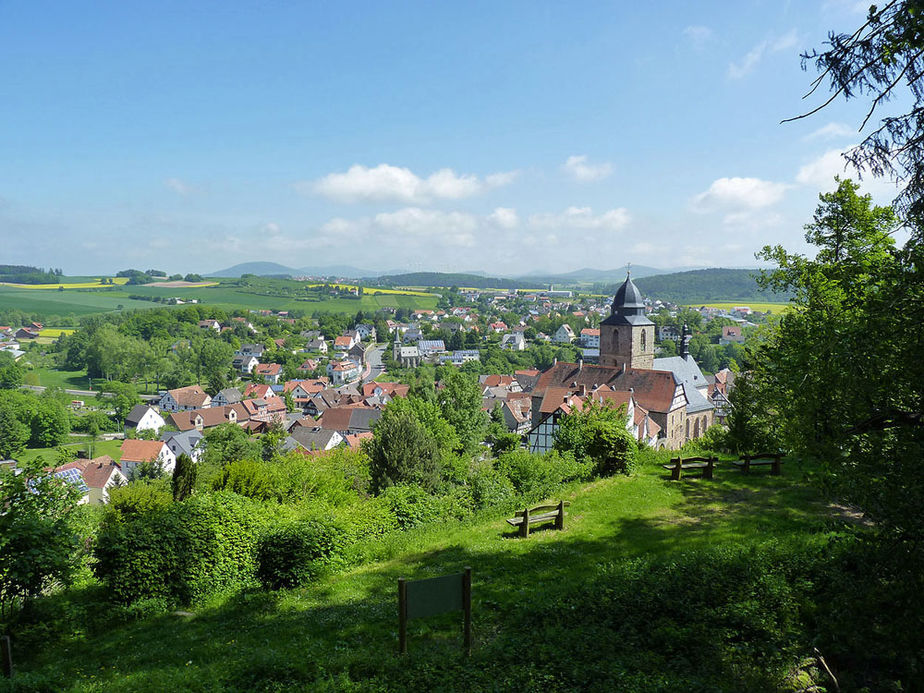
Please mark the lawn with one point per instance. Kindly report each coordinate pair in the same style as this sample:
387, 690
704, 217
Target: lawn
340, 632
52, 377
100, 447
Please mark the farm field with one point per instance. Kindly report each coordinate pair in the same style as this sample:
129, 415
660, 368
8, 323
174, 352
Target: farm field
753, 305
70, 283
527, 596
84, 302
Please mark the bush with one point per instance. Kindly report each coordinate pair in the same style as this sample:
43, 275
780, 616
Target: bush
411, 505
290, 555
537, 476
490, 487
137, 499
182, 553
247, 478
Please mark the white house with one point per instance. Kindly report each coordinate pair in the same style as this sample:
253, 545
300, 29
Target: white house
184, 399
342, 372
514, 341
590, 338
143, 417
184, 443
135, 452
563, 335
92, 477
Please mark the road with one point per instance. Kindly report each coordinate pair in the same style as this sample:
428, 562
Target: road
374, 365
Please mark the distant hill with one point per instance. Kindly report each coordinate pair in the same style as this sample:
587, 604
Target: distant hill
448, 279
589, 275
705, 286
261, 269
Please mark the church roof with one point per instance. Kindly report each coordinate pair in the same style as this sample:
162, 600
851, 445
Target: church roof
628, 307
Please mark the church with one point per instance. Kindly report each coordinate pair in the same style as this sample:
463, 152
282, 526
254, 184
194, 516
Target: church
666, 398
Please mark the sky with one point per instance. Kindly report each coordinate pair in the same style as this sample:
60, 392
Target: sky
504, 137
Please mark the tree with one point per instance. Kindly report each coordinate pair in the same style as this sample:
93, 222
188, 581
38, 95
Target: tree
460, 403
844, 368
227, 443
124, 398
872, 63
38, 544
751, 421
598, 433
14, 434
11, 373
401, 451
184, 478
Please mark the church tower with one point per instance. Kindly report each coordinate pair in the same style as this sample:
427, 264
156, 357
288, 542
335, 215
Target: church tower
627, 336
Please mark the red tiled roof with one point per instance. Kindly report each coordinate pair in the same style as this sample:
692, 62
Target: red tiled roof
355, 439
654, 390
141, 450
96, 472
191, 396
268, 369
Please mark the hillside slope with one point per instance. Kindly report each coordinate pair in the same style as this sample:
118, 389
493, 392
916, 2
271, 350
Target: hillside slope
707, 285
539, 614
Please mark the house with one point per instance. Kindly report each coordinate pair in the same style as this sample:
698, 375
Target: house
563, 335
346, 420
303, 390
143, 417
93, 477
26, 333
460, 356
668, 333
264, 410
517, 415
515, 341
344, 343
187, 443
526, 378
428, 347
366, 331
412, 335
354, 440
590, 338
245, 322
226, 397
390, 390
499, 326
251, 350
319, 345
136, 452
731, 334
308, 365
270, 372
258, 391
358, 353
244, 363
202, 419
210, 325
315, 438
342, 372
184, 399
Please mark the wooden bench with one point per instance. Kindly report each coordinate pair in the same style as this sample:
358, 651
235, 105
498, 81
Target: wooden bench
678, 464
541, 513
772, 459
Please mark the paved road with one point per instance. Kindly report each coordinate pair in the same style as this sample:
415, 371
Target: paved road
374, 366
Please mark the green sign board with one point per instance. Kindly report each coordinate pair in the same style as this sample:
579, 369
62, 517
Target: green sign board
423, 598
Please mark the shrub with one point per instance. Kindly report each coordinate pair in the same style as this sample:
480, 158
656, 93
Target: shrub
411, 505
137, 499
490, 487
287, 555
184, 552
598, 433
246, 478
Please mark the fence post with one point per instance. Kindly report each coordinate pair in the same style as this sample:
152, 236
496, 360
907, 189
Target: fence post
402, 616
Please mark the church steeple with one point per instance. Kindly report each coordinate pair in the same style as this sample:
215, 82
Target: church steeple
627, 335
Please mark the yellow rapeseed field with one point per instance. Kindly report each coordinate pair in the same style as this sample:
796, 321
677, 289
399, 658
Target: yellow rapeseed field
54, 332
376, 289
759, 307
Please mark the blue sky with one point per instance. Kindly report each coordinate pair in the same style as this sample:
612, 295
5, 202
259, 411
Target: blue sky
498, 136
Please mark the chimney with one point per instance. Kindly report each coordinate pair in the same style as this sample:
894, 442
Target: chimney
583, 390
555, 361
580, 365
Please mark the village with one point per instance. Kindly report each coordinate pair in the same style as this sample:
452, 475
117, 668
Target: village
323, 390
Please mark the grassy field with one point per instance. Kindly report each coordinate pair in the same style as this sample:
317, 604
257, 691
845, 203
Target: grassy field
52, 377
340, 632
85, 302
760, 307
70, 283
100, 447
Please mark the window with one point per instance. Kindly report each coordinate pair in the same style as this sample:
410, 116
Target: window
643, 341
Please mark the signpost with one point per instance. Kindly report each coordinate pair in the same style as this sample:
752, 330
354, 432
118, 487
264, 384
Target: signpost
423, 598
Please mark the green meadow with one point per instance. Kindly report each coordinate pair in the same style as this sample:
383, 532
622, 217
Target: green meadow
581, 608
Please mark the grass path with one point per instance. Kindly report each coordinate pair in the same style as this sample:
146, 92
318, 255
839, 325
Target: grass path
342, 628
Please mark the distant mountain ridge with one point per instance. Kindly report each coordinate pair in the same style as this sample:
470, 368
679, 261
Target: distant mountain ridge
707, 285
449, 279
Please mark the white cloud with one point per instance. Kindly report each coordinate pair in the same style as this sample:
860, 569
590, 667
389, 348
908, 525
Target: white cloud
178, 186
392, 183
772, 45
739, 193
830, 131
578, 168
271, 229
505, 217
426, 222
698, 35
820, 172
582, 218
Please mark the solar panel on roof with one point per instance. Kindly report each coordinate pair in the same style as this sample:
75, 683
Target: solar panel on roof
73, 476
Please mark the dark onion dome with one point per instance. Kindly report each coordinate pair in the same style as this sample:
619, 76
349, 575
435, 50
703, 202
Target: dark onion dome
628, 307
